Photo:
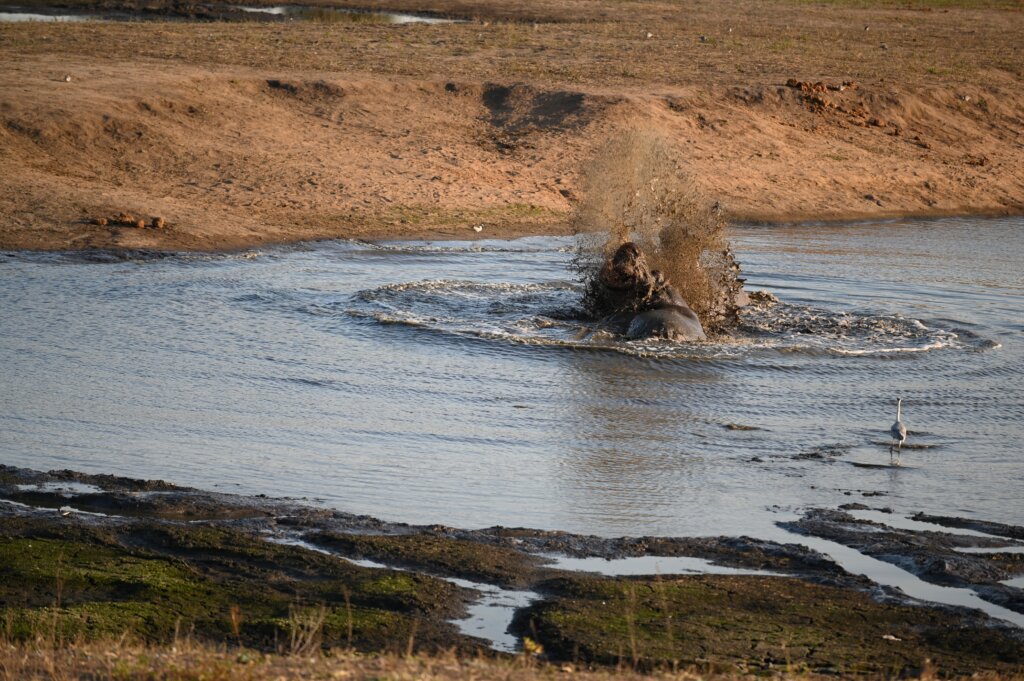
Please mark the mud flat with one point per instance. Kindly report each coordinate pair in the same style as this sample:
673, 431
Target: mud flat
242, 134
981, 560
96, 556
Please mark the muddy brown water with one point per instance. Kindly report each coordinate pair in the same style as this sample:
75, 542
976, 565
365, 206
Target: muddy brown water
448, 382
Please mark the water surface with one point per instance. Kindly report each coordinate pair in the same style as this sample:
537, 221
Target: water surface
450, 382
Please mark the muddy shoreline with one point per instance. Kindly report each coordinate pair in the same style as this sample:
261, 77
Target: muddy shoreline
150, 557
113, 251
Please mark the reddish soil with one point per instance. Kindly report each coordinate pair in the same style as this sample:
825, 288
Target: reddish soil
243, 134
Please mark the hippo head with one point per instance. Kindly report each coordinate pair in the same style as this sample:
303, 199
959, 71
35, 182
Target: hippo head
627, 268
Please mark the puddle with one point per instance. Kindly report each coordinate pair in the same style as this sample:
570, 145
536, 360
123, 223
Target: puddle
488, 618
71, 510
649, 565
34, 16
991, 549
491, 616
887, 574
63, 510
227, 13
904, 523
67, 489
18, 504
222, 12
334, 14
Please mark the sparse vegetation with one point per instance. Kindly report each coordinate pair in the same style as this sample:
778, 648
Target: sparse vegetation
919, 4
155, 596
740, 624
813, 36
178, 119
221, 585
187, 660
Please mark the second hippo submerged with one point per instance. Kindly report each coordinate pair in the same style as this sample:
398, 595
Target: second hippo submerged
645, 304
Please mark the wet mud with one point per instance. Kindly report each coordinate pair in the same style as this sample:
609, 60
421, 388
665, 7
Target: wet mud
157, 581
999, 529
750, 624
938, 557
99, 555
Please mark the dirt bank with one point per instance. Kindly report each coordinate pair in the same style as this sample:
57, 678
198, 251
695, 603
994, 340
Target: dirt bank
246, 134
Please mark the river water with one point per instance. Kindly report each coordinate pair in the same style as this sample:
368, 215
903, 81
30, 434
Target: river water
449, 382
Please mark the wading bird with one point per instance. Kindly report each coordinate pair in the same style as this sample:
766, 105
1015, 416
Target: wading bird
898, 432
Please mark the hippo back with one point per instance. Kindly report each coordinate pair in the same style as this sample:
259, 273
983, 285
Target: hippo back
672, 322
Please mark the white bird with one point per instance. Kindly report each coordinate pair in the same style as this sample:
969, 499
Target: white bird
898, 432
478, 228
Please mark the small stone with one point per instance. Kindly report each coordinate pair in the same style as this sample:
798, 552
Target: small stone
158, 222
140, 223
649, 35
884, 46
100, 222
67, 78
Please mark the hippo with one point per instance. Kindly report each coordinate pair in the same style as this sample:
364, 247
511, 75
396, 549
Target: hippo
644, 303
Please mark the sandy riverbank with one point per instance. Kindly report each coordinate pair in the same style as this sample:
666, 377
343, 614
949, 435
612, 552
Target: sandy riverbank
247, 134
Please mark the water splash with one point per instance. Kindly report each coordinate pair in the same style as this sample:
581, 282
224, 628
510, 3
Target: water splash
636, 190
802, 328
549, 314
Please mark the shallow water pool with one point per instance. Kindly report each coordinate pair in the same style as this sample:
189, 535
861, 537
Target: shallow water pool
453, 383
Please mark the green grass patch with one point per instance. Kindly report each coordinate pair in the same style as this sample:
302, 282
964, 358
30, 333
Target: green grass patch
153, 581
757, 622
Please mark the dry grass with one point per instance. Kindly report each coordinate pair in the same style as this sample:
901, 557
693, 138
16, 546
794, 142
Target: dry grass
186, 660
595, 43
176, 119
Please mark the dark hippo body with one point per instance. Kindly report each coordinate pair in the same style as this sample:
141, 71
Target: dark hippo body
646, 305
671, 322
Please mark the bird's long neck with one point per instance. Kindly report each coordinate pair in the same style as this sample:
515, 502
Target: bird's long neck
899, 408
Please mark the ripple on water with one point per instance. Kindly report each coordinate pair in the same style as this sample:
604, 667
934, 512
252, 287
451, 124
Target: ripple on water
549, 314
488, 401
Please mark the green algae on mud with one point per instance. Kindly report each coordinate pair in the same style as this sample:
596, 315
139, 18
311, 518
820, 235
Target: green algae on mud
150, 574
441, 555
752, 623
155, 581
